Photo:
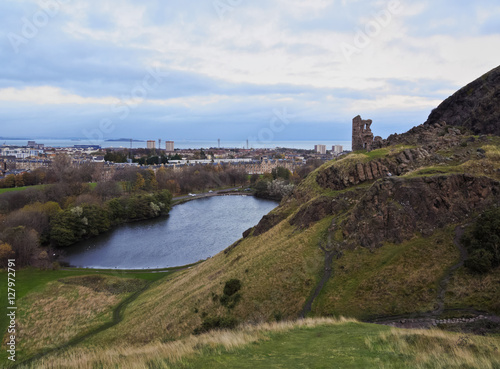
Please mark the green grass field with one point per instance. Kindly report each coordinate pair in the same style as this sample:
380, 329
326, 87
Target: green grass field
3, 190
340, 346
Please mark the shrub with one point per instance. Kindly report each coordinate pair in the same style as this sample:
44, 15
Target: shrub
211, 323
479, 261
483, 242
230, 296
232, 286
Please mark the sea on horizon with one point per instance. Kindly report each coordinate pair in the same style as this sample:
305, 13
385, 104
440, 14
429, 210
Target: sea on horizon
182, 144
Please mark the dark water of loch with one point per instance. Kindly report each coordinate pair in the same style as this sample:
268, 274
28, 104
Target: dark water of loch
193, 231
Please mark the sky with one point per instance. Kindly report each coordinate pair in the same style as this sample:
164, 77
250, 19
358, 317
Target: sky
263, 70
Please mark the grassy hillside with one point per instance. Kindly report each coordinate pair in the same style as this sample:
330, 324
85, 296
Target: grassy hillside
394, 279
58, 306
309, 343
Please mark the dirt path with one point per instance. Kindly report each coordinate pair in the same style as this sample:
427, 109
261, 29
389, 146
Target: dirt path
443, 283
117, 318
327, 273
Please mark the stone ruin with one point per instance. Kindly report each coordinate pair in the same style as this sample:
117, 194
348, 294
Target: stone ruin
362, 136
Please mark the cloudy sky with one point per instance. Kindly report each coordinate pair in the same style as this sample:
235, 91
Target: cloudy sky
235, 69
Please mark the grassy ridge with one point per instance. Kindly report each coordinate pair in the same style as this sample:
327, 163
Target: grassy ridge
277, 273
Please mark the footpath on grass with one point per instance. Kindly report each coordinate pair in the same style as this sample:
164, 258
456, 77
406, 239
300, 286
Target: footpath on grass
117, 318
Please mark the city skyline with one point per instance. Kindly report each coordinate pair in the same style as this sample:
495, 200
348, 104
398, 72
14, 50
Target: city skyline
259, 71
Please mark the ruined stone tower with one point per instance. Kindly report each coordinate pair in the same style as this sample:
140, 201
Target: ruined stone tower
362, 136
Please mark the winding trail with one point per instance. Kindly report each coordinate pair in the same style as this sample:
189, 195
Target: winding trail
327, 273
443, 283
117, 318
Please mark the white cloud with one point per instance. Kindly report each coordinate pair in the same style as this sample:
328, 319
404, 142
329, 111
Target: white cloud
48, 95
394, 102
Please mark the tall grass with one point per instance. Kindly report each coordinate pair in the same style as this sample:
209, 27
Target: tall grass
128, 356
429, 349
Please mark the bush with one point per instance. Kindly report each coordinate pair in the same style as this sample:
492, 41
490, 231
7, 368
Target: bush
230, 296
232, 286
483, 242
479, 261
211, 323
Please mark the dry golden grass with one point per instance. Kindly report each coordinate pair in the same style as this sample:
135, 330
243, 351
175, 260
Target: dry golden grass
492, 152
62, 311
427, 349
127, 356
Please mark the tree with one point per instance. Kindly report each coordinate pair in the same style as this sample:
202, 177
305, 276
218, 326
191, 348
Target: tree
254, 178
24, 243
6, 253
483, 242
67, 227
162, 178
62, 167
107, 190
150, 179
9, 181
281, 172
139, 183
97, 220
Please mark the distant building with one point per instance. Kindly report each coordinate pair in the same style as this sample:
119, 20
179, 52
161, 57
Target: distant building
88, 147
337, 149
34, 145
320, 149
169, 146
151, 144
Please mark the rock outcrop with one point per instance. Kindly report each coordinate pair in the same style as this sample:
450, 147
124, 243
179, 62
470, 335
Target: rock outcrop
338, 178
475, 106
395, 209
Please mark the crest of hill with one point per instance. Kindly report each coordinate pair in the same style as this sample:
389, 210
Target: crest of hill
475, 106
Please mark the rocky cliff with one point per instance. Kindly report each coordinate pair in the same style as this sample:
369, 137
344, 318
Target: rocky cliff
475, 107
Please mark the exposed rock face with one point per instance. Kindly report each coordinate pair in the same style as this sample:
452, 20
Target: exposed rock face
395, 209
476, 106
266, 223
320, 208
431, 137
337, 179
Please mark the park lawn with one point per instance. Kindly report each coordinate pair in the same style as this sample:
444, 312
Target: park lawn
3, 190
